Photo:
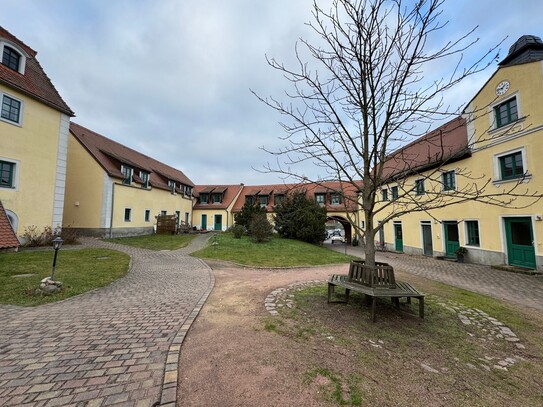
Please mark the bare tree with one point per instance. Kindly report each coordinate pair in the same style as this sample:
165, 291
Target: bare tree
361, 93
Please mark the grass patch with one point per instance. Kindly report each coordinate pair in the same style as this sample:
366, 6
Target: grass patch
80, 271
155, 242
435, 361
276, 253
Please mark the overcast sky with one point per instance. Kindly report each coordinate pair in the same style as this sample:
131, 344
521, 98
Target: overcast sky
172, 78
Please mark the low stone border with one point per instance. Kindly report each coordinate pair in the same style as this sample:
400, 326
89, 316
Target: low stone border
493, 329
280, 297
168, 396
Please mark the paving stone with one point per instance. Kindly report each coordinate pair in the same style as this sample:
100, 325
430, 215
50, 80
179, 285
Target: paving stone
89, 342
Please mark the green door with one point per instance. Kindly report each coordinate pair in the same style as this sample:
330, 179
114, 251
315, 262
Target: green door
204, 222
520, 242
398, 237
218, 222
452, 241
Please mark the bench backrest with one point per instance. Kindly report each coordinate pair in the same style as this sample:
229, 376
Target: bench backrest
380, 275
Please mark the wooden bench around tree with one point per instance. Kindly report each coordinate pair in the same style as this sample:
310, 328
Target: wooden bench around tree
375, 282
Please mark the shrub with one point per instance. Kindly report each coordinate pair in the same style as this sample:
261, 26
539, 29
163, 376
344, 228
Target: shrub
237, 230
298, 217
245, 216
33, 237
260, 229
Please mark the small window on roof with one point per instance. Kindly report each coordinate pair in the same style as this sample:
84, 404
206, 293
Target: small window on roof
11, 58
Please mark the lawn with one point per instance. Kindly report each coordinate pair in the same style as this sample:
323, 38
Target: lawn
80, 270
155, 242
401, 360
276, 253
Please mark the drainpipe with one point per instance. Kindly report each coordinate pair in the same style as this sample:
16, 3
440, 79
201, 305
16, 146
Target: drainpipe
226, 211
112, 207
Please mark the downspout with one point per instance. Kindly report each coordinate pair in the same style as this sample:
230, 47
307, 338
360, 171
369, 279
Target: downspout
112, 206
226, 211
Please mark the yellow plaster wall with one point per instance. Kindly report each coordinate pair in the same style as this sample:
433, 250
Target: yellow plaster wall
139, 199
35, 147
227, 217
84, 188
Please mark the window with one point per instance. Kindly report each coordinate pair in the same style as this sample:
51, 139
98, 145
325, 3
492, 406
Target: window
178, 216
394, 192
335, 199
419, 187
11, 58
472, 227
144, 179
11, 109
384, 195
511, 166
263, 200
506, 112
250, 200
7, 174
204, 198
216, 198
448, 180
171, 184
163, 213
279, 198
127, 214
147, 215
320, 199
127, 173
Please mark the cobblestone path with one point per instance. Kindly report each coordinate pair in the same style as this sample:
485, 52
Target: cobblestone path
111, 346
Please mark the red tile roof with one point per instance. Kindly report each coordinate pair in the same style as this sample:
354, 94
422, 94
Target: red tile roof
447, 143
329, 187
8, 239
34, 82
230, 192
111, 155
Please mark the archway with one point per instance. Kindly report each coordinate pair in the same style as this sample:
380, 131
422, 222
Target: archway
346, 227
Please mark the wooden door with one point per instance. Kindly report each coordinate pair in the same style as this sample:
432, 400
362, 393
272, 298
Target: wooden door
520, 242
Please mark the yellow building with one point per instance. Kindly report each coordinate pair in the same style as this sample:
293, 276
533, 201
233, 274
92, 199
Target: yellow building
34, 125
492, 159
339, 199
213, 205
112, 190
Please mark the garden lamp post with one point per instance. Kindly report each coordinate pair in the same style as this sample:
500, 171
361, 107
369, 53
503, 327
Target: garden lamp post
57, 242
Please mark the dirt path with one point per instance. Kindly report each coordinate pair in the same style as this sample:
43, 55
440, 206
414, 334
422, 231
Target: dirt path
228, 344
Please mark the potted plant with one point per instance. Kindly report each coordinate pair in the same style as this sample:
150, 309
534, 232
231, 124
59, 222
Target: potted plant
461, 254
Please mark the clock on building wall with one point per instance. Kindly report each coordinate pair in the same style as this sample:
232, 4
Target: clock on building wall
502, 87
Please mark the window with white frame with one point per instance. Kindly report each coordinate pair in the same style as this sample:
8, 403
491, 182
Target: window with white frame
127, 174
171, 184
147, 215
204, 199
419, 187
263, 200
506, 112
511, 165
335, 199
320, 199
448, 181
145, 178
384, 194
216, 198
12, 109
127, 214
394, 193
7, 174
472, 233
12, 57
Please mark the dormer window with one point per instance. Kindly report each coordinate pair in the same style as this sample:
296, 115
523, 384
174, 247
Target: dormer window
216, 198
127, 173
171, 184
250, 200
11, 58
335, 199
263, 200
320, 199
279, 198
204, 199
144, 179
